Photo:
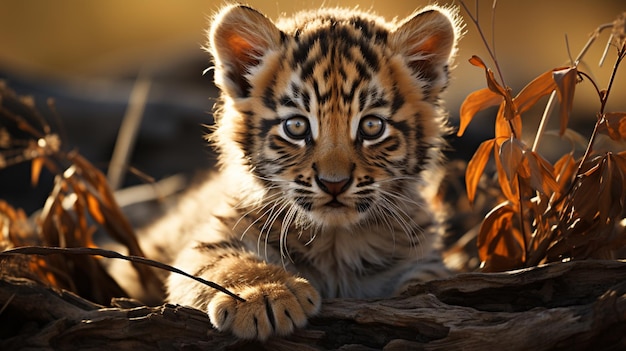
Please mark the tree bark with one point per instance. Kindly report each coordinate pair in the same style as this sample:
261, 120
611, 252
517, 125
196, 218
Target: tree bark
565, 306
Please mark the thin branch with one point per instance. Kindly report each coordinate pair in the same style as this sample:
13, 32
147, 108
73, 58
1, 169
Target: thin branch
128, 130
605, 97
40, 250
484, 39
493, 24
550, 105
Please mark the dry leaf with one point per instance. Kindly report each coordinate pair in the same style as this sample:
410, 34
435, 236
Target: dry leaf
500, 244
474, 102
585, 194
476, 166
612, 193
508, 187
36, 166
503, 126
509, 111
511, 154
566, 85
542, 177
93, 205
614, 125
564, 169
577, 140
535, 90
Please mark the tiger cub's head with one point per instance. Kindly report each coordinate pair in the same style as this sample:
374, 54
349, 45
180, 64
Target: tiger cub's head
333, 111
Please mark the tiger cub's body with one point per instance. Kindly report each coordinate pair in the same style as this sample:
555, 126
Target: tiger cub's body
329, 130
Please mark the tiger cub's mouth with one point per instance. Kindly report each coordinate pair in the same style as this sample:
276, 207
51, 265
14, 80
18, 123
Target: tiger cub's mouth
334, 203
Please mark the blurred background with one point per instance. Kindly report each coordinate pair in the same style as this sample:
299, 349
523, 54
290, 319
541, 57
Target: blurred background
87, 55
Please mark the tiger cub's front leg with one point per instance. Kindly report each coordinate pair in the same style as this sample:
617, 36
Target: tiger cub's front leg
276, 302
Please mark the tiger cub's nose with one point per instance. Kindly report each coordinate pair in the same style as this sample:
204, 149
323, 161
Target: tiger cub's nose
333, 187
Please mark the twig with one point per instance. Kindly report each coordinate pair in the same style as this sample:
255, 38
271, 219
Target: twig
40, 250
128, 131
550, 105
544, 121
7, 303
491, 52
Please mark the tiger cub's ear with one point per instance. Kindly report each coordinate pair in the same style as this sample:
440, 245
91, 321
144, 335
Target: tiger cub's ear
238, 38
428, 42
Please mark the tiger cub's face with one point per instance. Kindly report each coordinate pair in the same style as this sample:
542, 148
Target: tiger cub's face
335, 111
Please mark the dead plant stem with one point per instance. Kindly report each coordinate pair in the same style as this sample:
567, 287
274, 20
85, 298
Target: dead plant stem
550, 105
604, 97
491, 52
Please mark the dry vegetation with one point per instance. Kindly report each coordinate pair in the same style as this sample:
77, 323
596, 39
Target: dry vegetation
53, 287
570, 210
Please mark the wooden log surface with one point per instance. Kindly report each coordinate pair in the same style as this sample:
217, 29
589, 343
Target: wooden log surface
565, 306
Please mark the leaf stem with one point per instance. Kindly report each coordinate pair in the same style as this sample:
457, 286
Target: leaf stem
550, 105
604, 97
491, 52
522, 227
544, 121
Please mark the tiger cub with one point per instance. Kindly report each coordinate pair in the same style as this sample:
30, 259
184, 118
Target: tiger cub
329, 129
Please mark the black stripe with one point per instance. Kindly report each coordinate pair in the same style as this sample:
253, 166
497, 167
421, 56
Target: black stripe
362, 99
398, 101
367, 180
287, 101
307, 69
306, 101
402, 126
370, 56
379, 102
394, 143
267, 125
268, 96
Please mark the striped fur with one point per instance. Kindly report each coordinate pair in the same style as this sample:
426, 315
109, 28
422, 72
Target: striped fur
330, 134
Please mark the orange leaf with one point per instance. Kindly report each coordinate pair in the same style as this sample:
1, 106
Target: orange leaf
498, 241
615, 125
541, 174
509, 189
620, 160
93, 205
474, 102
504, 125
585, 199
502, 128
477, 61
509, 110
491, 80
35, 171
476, 166
612, 190
511, 154
564, 170
565, 80
535, 90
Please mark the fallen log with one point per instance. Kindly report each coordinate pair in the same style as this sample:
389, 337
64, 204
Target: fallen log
563, 306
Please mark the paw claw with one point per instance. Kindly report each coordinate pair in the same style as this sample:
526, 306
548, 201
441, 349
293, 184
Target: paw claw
270, 309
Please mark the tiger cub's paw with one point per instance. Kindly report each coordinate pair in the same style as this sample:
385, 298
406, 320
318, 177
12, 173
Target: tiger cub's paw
275, 308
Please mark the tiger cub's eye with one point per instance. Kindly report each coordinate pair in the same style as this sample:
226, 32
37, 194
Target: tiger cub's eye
371, 127
296, 127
